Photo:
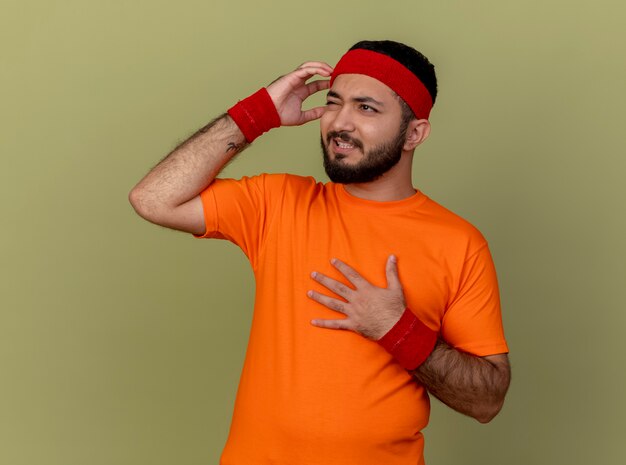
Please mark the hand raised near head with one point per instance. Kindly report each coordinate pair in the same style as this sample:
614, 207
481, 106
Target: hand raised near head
288, 92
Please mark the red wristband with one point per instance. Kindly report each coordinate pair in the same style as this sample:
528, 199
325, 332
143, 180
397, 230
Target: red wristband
409, 341
255, 114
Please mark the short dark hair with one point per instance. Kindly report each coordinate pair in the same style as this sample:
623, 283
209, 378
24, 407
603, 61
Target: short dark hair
413, 60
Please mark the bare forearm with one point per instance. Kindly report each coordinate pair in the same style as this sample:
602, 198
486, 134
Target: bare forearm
169, 194
189, 168
472, 385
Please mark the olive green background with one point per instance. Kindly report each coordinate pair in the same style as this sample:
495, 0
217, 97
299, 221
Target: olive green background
122, 343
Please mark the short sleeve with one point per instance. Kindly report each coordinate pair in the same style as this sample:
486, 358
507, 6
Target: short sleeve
473, 320
239, 210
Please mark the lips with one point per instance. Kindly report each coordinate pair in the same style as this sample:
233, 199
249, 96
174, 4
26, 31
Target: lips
342, 143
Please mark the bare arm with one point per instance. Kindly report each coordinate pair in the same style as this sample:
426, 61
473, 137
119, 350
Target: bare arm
472, 385
169, 194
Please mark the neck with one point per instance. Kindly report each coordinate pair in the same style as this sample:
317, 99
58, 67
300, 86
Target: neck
395, 184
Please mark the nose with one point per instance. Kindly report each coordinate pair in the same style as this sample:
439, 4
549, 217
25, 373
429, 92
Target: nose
341, 119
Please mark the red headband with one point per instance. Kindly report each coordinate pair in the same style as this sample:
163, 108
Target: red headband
391, 73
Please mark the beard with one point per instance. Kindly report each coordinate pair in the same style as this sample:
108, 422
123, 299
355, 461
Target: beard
373, 165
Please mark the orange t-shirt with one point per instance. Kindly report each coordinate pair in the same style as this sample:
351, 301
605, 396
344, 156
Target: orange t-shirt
316, 396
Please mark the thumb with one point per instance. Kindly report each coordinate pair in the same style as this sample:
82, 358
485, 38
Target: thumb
393, 279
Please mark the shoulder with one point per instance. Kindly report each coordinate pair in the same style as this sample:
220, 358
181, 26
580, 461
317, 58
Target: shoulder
281, 179
273, 188
290, 184
452, 226
268, 181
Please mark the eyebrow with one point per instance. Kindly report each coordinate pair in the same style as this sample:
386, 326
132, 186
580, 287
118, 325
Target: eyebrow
332, 93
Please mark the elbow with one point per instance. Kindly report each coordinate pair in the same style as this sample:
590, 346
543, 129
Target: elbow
489, 411
142, 205
487, 415
152, 209
484, 420
134, 197
136, 200
494, 401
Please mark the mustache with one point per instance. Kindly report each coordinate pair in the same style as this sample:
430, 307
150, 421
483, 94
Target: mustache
344, 137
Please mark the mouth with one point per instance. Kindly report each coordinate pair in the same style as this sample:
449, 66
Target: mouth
342, 145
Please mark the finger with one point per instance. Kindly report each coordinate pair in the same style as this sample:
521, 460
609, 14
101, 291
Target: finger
312, 114
316, 86
316, 64
299, 76
332, 324
334, 304
338, 288
309, 89
393, 278
350, 273
309, 71
304, 72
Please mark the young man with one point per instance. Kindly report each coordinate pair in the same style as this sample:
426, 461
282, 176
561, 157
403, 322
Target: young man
369, 294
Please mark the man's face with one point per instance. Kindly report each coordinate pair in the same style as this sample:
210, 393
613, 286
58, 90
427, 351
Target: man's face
362, 134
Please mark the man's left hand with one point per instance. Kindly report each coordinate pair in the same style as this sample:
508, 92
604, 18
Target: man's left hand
370, 310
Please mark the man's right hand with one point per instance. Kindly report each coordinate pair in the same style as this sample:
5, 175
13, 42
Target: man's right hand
288, 92
169, 194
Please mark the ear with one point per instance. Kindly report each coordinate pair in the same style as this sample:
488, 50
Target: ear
416, 133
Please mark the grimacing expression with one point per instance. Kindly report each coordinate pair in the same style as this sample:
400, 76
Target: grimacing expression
362, 129
375, 162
